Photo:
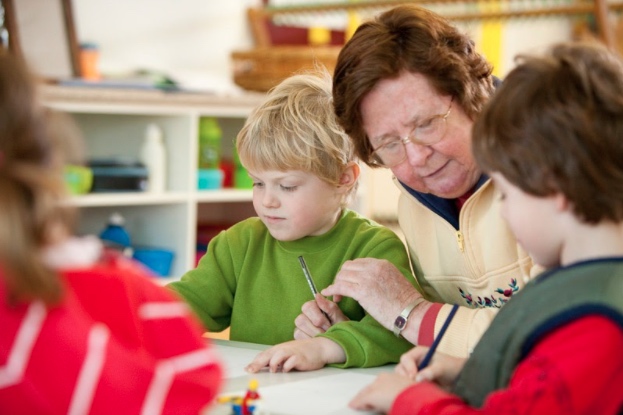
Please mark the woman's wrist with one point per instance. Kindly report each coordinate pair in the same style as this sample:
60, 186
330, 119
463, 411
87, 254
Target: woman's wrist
403, 318
411, 330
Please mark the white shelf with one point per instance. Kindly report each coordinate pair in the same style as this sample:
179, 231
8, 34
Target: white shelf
129, 199
113, 123
140, 198
142, 101
224, 195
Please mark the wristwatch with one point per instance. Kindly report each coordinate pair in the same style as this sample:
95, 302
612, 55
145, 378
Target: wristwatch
401, 321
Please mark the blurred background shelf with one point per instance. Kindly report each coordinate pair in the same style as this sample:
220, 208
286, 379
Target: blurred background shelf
113, 123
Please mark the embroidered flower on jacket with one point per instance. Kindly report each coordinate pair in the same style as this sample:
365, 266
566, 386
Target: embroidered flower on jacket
491, 301
509, 291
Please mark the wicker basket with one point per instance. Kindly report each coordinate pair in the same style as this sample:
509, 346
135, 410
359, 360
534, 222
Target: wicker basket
262, 68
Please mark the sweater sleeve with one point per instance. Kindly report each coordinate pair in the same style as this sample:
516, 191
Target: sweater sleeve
210, 288
467, 327
553, 378
366, 342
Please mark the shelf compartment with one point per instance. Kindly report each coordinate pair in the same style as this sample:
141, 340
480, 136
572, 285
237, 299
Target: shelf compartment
128, 199
159, 226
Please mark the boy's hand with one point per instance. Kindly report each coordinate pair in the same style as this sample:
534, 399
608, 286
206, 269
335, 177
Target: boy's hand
309, 354
443, 369
312, 321
380, 394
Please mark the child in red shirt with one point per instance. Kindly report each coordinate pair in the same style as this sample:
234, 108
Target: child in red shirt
83, 331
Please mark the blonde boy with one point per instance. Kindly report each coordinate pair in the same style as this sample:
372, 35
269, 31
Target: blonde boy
304, 173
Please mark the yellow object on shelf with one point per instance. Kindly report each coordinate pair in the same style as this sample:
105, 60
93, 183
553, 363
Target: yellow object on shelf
492, 35
318, 36
351, 27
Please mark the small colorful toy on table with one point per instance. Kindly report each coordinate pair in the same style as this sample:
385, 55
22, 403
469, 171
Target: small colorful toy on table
243, 405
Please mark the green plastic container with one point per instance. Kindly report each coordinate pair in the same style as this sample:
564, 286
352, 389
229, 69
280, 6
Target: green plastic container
210, 137
241, 176
79, 179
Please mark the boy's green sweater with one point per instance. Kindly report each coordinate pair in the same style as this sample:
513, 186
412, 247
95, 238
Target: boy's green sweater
254, 283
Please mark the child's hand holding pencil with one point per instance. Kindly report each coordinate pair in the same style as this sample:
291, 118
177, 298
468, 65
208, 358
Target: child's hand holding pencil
312, 286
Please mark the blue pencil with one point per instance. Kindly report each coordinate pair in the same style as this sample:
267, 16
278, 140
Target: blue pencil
429, 355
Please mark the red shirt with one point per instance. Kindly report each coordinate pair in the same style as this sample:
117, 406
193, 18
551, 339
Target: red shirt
576, 369
117, 344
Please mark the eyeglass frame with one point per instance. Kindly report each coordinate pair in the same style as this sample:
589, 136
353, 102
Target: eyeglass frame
410, 139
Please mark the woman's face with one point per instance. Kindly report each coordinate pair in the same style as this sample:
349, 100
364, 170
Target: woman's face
394, 107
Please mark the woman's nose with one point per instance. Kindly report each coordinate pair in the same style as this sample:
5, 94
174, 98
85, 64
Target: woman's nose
417, 154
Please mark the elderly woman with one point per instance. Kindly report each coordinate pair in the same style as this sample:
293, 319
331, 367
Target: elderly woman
407, 88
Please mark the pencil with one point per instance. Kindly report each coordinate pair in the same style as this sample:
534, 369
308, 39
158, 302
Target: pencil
429, 355
310, 281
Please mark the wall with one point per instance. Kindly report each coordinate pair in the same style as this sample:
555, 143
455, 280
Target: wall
191, 40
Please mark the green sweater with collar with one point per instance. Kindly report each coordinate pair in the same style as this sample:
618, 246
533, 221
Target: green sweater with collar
253, 283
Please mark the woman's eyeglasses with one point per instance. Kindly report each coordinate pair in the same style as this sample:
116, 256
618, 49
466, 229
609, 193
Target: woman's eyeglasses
427, 133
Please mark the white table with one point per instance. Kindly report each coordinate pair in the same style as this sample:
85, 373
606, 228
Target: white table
319, 392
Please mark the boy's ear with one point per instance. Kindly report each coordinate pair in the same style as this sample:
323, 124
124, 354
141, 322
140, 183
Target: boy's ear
561, 202
350, 175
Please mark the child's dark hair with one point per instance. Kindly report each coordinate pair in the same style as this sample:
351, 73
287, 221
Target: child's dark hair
556, 125
32, 189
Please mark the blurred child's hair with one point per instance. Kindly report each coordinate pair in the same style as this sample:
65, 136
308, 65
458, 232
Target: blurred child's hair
556, 125
32, 214
295, 129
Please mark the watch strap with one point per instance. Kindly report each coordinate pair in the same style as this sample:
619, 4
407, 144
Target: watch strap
401, 321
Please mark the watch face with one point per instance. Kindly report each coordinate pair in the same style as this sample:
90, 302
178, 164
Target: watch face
400, 322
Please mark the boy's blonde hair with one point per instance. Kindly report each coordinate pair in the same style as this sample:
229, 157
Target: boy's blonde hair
295, 129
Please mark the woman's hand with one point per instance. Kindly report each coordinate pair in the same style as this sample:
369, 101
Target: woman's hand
377, 285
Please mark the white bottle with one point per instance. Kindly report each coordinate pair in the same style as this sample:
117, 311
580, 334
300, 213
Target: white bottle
153, 155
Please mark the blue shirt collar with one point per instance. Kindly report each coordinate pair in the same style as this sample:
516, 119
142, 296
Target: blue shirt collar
446, 208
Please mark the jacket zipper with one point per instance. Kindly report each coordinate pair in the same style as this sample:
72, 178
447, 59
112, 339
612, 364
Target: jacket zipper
459, 240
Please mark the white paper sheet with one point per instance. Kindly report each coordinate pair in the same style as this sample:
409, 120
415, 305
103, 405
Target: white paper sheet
321, 392
321, 395
235, 360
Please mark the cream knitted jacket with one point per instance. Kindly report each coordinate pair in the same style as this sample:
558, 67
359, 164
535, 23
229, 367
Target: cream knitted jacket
479, 266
